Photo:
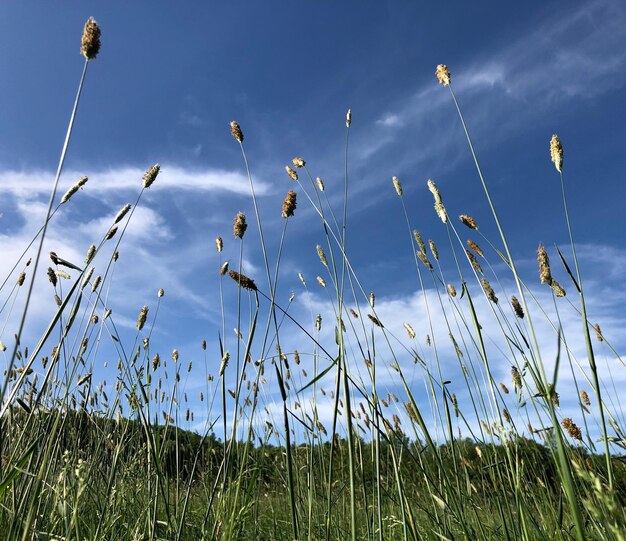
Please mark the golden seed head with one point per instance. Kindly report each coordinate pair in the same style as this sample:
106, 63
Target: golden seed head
141, 320
409, 330
111, 233
544, 265
320, 184
321, 281
301, 278
456, 346
321, 255
242, 280
468, 221
571, 428
21, 278
95, 285
473, 261
240, 225
433, 249
298, 162
397, 185
439, 208
122, 212
557, 288
292, 174
150, 175
224, 269
90, 43
175, 355
475, 247
160, 292
420, 242
372, 299
289, 204
517, 307
87, 277
517, 377
598, 332
556, 152
424, 259
224, 363
235, 130
219, 244
348, 118
443, 75
504, 388
79, 184
489, 291
585, 398
451, 290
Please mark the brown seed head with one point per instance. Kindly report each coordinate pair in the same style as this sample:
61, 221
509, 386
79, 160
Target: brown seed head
292, 174
468, 221
475, 247
451, 290
289, 204
517, 377
240, 225
151, 175
242, 280
375, 320
235, 130
420, 242
517, 307
473, 261
504, 388
224, 269
111, 233
556, 152
585, 398
219, 244
122, 212
557, 288
298, 162
433, 249
598, 332
90, 43
489, 291
571, 428
424, 259
544, 265
52, 277
21, 278
141, 320
443, 75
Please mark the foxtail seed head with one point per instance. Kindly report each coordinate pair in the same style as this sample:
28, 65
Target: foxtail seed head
151, 175
348, 118
439, 208
556, 153
517, 307
468, 221
235, 130
544, 265
90, 42
141, 320
79, 184
320, 184
321, 255
397, 185
443, 74
298, 162
240, 225
289, 204
242, 280
219, 244
292, 174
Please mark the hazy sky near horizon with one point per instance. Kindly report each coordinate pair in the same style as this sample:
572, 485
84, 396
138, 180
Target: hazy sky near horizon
171, 76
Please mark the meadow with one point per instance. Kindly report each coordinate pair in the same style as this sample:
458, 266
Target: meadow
442, 458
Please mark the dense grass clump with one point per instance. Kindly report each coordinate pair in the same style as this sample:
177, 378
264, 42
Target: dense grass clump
300, 434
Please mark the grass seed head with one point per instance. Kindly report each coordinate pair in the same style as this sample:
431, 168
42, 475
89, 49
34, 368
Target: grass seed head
90, 42
473, 261
516, 377
443, 74
375, 321
122, 212
489, 291
322, 255
571, 428
433, 249
219, 244
439, 208
160, 292
420, 242
289, 204
235, 131
298, 162
21, 278
243, 280
141, 320
321, 281
224, 269
517, 307
111, 233
320, 184
451, 290
598, 332
79, 184
240, 225
91, 252
475, 247
150, 175
545, 274
585, 398
409, 330
348, 118
397, 185
468, 221
556, 153
557, 288
292, 174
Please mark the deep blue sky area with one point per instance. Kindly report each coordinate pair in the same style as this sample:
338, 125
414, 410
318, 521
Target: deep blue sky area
172, 75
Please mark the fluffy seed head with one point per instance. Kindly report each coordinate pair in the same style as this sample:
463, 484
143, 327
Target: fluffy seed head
468, 221
557, 288
585, 398
443, 75
372, 299
242, 280
219, 244
544, 265
141, 320
90, 42
475, 247
397, 185
79, 184
409, 330
571, 428
150, 175
517, 307
556, 153
52, 277
516, 377
321, 255
235, 130
160, 292
292, 174
420, 242
289, 204
240, 225
439, 208
451, 290
298, 162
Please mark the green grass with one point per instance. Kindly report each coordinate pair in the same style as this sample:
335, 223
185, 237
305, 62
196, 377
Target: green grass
82, 459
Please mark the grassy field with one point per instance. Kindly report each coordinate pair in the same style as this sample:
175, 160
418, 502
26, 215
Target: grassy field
87, 459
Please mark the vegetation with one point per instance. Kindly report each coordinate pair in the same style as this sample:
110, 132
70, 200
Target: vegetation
83, 459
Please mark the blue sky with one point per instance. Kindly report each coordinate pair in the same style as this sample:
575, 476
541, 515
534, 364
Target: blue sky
169, 80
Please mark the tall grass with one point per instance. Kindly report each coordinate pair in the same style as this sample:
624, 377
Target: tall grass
302, 436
